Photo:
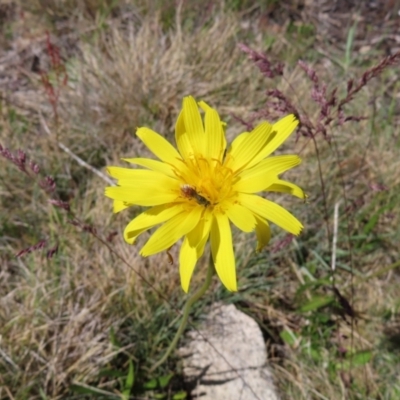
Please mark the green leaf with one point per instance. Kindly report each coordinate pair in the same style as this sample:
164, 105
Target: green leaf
313, 284
316, 302
131, 376
151, 384
356, 360
322, 261
113, 339
130, 379
315, 354
289, 337
111, 373
375, 219
323, 318
361, 357
86, 389
160, 382
164, 380
349, 46
179, 396
371, 223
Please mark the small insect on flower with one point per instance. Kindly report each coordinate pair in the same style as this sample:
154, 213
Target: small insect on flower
190, 192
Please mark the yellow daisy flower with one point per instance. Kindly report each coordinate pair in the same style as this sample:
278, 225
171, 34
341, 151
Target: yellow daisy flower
197, 190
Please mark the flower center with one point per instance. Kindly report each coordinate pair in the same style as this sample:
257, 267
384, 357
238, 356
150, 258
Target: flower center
208, 182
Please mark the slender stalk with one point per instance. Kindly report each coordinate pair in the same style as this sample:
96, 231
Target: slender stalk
196, 296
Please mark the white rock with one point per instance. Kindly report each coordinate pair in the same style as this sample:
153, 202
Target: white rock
226, 358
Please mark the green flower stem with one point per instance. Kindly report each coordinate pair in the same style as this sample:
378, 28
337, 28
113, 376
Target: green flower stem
196, 296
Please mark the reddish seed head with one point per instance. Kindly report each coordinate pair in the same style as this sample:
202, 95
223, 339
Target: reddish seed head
61, 204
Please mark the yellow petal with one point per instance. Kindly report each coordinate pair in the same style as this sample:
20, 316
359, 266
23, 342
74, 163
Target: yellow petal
148, 219
242, 217
281, 130
201, 230
250, 146
120, 205
169, 233
204, 106
185, 146
265, 173
284, 128
193, 124
237, 142
272, 212
222, 251
134, 177
159, 146
214, 135
192, 249
144, 195
182, 138
263, 233
154, 165
187, 262
287, 187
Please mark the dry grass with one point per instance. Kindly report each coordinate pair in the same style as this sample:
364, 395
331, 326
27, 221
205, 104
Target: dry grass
129, 67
